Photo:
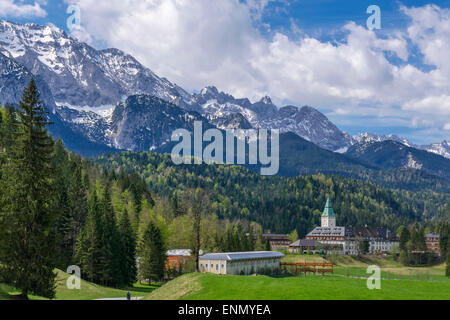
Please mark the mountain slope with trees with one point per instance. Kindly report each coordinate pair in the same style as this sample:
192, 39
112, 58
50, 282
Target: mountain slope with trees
279, 204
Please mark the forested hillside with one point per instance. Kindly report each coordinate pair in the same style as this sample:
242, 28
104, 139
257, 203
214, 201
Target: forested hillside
279, 204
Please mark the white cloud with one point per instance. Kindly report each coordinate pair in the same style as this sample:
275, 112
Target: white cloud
430, 31
439, 105
202, 42
18, 9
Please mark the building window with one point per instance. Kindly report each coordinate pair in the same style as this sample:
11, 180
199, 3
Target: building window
217, 267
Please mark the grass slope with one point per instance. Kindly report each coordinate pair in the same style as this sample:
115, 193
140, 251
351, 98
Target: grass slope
214, 287
400, 285
88, 290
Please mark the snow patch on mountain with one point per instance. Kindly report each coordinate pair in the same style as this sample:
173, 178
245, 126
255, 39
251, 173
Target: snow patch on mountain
442, 149
412, 163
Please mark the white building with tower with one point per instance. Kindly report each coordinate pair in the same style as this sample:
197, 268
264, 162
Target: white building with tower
346, 240
328, 216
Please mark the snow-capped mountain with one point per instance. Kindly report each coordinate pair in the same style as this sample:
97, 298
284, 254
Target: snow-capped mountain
140, 123
80, 75
306, 122
89, 124
309, 124
371, 137
145, 122
88, 90
14, 77
442, 149
389, 154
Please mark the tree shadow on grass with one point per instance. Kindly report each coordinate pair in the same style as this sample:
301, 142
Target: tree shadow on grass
143, 287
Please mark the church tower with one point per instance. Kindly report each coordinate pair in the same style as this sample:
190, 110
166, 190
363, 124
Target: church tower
328, 217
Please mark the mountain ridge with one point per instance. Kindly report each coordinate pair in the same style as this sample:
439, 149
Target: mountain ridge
107, 98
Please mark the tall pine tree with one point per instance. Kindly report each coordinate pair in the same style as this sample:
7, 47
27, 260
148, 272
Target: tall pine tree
111, 243
26, 220
89, 251
128, 256
152, 254
77, 198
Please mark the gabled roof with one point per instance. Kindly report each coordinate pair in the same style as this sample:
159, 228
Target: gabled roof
328, 211
370, 233
304, 243
242, 255
181, 252
327, 232
275, 235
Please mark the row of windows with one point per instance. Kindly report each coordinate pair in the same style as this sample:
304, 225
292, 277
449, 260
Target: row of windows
211, 266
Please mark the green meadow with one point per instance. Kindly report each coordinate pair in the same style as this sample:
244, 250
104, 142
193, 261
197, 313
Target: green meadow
88, 290
347, 283
398, 282
215, 287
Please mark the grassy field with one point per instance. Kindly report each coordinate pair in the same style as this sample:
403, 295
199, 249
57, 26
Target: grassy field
400, 285
88, 291
214, 287
398, 282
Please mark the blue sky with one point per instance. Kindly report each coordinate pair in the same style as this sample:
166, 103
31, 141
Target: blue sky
314, 52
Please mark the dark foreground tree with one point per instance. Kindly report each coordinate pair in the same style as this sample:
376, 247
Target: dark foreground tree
152, 254
444, 239
198, 205
268, 246
447, 269
89, 251
27, 241
128, 259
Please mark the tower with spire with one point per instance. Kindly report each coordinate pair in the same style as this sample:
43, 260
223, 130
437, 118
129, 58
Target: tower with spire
328, 216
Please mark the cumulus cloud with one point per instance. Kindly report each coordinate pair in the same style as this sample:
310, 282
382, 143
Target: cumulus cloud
430, 104
202, 42
18, 9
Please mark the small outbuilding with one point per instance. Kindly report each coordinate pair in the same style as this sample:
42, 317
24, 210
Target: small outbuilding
241, 263
178, 258
303, 246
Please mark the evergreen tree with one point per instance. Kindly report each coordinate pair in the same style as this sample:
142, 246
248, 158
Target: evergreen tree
447, 269
128, 260
111, 244
444, 239
78, 202
65, 249
152, 254
59, 166
27, 223
8, 126
89, 249
404, 238
268, 247
198, 202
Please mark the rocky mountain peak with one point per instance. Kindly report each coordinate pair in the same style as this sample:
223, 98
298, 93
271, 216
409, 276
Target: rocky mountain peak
266, 100
79, 75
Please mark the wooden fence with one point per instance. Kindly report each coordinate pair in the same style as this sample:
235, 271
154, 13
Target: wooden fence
305, 267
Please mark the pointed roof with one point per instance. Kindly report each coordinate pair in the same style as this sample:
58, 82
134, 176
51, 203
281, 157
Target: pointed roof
328, 211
